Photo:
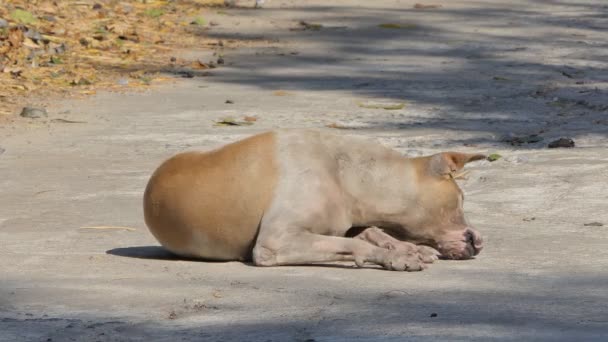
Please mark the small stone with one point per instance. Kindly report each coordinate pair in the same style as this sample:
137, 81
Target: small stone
229, 101
59, 31
434, 314
517, 159
123, 82
97, 6
33, 113
220, 60
562, 143
186, 74
414, 153
593, 224
57, 48
3, 23
126, 8
173, 59
33, 35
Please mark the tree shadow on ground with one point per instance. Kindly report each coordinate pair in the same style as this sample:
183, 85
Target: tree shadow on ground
537, 66
551, 307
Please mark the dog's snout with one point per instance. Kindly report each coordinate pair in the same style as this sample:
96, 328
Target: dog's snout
474, 239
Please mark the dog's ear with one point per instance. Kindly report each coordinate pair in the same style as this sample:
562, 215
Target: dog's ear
447, 164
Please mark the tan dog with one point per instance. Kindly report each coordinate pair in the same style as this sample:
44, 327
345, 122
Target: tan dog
296, 197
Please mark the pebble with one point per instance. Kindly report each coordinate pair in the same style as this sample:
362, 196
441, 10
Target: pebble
33, 35
517, 159
3, 23
562, 142
414, 153
33, 113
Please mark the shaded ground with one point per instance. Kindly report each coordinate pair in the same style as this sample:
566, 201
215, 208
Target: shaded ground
468, 73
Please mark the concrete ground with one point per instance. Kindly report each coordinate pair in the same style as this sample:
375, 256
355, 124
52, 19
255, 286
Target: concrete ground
469, 73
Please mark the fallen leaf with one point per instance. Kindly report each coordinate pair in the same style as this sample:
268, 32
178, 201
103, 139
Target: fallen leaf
494, 157
334, 125
281, 93
200, 21
199, 65
423, 6
15, 37
154, 12
109, 227
526, 139
23, 16
396, 26
378, 105
228, 121
310, 26
67, 121
250, 118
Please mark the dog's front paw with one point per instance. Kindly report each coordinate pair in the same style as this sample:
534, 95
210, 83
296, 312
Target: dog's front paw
396, 261
428, 254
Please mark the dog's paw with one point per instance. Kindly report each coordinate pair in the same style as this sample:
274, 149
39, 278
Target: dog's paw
428, 254
395, 261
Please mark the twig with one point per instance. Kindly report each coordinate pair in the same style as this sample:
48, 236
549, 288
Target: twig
110, 227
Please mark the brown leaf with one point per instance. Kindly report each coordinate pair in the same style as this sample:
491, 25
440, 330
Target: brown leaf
15, 37
423, 6
281, 93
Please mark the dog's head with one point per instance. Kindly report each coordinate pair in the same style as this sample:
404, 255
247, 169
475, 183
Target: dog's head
438, 218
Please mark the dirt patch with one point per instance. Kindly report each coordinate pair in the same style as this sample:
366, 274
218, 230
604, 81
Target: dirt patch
75, 48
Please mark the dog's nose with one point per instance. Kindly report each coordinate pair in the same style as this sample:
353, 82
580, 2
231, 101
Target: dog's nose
474, 239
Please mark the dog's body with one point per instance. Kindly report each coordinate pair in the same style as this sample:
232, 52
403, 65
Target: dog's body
291, 197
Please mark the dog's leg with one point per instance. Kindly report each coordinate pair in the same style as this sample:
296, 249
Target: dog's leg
307, 248
378, 237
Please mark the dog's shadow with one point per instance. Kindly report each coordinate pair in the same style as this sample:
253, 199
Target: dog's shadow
151, 253
144, 252
159, 253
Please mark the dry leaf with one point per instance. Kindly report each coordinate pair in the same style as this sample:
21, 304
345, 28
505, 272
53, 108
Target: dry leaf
228, 121
110, 227
379, 105
281, 93
397, 26
423, 6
